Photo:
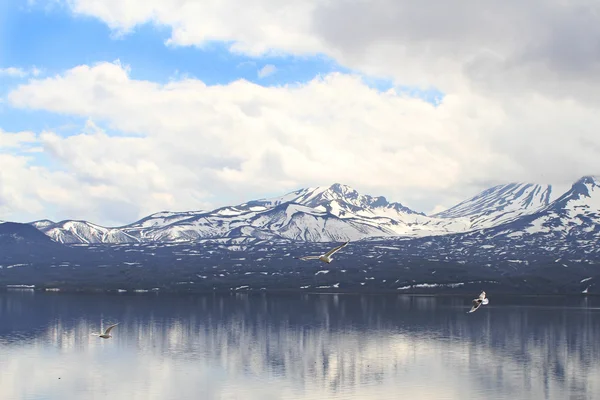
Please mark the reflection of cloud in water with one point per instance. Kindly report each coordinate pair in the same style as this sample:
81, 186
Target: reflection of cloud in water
293, 347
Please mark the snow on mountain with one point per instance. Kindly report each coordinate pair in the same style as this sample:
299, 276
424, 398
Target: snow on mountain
332, 213
574, 213
342, 199
338, 199
300, 222
146, 228
43, 223
165, 218
275, 219
363, 215
568, 227
70, 232
499, 204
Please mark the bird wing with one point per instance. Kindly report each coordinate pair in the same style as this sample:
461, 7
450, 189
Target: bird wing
309, 258
482, 296
476, 305
107, 331
330, 252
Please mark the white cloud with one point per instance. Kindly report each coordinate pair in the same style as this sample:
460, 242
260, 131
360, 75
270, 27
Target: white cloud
11, 141
29, 190
186, 145
267, 70
15, 72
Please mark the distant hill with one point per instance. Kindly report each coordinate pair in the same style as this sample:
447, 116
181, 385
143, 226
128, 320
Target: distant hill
15, 234
19, 242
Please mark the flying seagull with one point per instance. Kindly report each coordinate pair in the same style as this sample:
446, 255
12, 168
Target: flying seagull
106, 334
478, 302
326, 258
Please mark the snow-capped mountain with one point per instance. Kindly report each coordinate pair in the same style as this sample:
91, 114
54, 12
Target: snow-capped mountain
165, 218
500, 204
563, 234
338, 213
332, 213
573, 215
84, 232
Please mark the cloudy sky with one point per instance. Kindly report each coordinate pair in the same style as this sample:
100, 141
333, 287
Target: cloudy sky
113, 109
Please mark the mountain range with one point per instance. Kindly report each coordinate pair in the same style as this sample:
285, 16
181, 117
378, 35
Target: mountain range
334, 213
512, 238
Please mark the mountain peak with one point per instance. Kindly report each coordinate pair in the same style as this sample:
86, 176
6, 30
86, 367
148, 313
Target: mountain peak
341, 188
334, 199
42, 223
588, 180
349, 197
583, 187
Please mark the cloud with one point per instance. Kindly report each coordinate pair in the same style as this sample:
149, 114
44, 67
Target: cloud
546, 47
111, 181
245, 64
11, 141
188, 145
27, 190
15, 72
267, 70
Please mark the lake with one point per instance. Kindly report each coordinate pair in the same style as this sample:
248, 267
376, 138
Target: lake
297, 346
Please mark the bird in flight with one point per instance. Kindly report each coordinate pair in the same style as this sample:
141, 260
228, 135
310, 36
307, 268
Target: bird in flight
327, 257
106, 334
481, 300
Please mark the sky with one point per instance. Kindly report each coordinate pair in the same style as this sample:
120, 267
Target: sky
115, 109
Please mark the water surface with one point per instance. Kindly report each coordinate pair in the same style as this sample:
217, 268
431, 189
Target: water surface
297, 347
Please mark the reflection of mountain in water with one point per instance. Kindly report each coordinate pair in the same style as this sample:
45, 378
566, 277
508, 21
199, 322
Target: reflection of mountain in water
308, 346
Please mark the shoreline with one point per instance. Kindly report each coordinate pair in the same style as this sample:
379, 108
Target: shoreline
142, 292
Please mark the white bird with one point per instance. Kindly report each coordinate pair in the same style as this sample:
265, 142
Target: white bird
106, 334
326, 258
481, 300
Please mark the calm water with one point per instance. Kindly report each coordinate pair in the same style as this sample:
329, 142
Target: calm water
297, 347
